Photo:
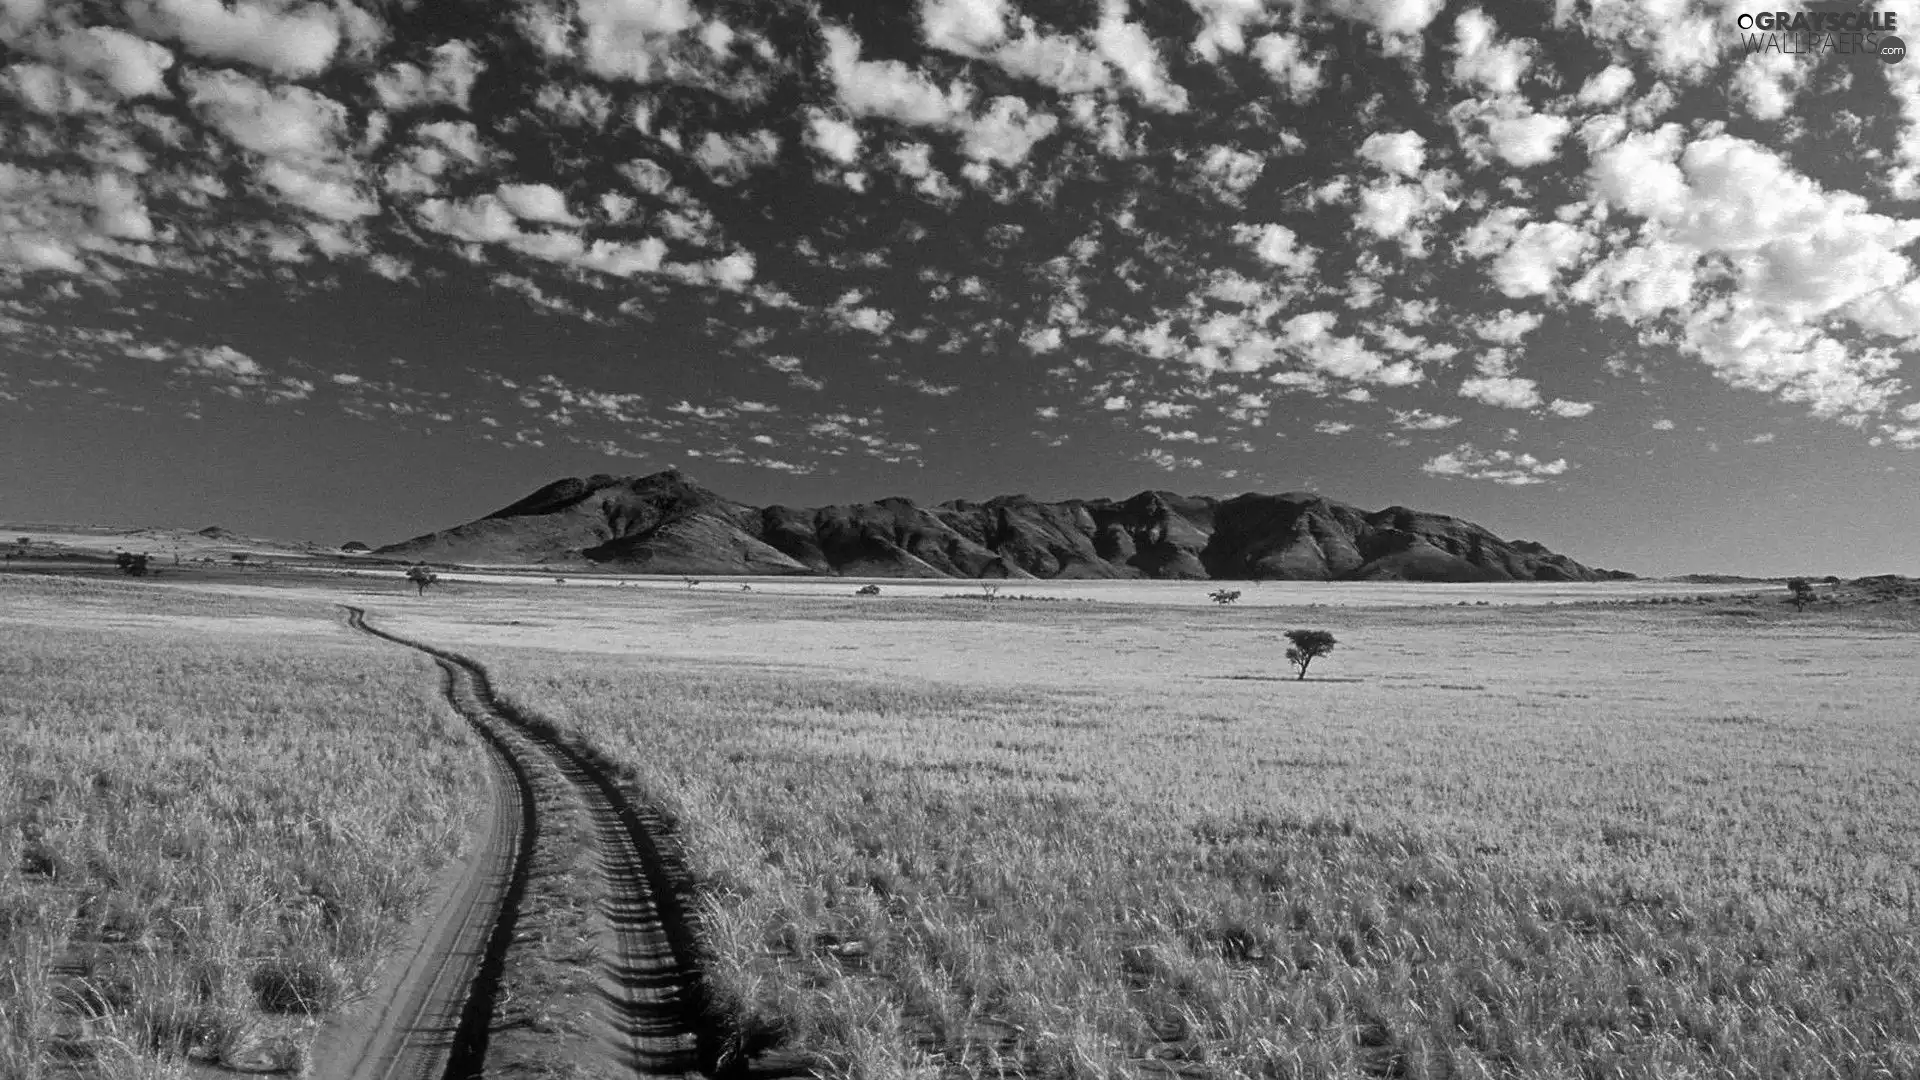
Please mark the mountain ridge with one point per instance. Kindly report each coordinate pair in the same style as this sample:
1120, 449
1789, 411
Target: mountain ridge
665, 523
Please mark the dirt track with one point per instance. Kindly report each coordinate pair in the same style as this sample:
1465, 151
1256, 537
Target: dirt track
435, 1016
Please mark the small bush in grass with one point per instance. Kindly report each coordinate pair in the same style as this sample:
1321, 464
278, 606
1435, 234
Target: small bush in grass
1308, 646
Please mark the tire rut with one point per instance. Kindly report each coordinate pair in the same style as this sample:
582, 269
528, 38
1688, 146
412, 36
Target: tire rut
649, 982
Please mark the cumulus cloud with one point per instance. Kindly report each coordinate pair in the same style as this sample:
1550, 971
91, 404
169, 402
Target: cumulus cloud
1132, 53
536, 202
1421, 420
832, 136
1607, 86
1509, 326
132, 66
1482, 60
1503, 391
1293, 68
1277, 245
1402, 153
889, 88
729, 158
1795, 257
1007, 132
1500, 466
966, 27
448, 80
280, 121
631, 39
291, 40
1569, 409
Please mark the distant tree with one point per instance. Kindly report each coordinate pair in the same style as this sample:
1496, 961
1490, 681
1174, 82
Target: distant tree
746, 588
1225, 596
239, 558
1308, 646
24, 541
1802, 591
422, 578
990, 590
691, 581
867, 590
354, 546
131, 564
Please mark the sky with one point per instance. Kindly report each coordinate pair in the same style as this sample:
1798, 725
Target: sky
1618, 277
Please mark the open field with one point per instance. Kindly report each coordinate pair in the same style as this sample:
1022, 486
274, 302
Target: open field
1657, 841
952, 837
215, 813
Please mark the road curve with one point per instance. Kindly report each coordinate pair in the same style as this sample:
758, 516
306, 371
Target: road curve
651, 991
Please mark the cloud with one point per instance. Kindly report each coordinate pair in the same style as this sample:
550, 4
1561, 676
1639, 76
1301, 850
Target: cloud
836, 138
1509, 326
276, 122
1332, 427
1607, 86
336, 197
729, 158
1230, 171
1127, 47
631, 39
1007, 133
132, 66
1529, 139
1663, 425
889, 88
290, 40
1421, 420
536, 202
1504, 391
1796, 263
448, 82
1482, 60
1402, 153
967, 27
1569, 409
1277, 245
1500, 466
1285, 58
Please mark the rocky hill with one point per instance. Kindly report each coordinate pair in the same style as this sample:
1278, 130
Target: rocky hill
665, 524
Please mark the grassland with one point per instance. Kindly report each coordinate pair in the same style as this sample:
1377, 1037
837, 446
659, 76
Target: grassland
214, 813
970, 839
960, 838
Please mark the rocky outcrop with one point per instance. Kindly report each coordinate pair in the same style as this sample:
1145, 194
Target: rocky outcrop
664, 523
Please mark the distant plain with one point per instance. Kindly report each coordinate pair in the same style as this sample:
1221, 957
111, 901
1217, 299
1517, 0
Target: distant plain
968, 836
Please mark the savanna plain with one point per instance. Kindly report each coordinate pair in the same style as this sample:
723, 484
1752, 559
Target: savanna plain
962, 837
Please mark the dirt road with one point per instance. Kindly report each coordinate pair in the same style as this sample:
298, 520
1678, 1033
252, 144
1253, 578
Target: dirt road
439, 1004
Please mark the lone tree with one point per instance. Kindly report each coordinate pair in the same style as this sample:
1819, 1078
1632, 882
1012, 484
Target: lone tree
1802, 591
1308, 646
422, 578
131, 564
1225, 596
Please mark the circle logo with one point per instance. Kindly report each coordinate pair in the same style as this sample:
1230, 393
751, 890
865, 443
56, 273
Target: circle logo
1892, 50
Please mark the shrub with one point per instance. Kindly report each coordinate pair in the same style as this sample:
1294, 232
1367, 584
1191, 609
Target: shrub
1224, 596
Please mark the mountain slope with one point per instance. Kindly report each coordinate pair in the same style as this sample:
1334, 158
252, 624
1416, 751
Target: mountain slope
666, 524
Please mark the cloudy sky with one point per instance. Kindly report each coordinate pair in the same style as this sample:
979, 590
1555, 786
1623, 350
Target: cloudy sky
1583, 272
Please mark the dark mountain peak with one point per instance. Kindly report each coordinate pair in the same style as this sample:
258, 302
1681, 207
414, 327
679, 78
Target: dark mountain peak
665, 523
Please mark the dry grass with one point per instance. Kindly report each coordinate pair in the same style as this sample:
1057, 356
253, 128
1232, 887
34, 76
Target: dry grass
213, 813
1599, 843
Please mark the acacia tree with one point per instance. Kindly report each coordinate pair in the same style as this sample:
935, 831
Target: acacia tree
1308, 646
1802, 591
131, 564
422, 578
